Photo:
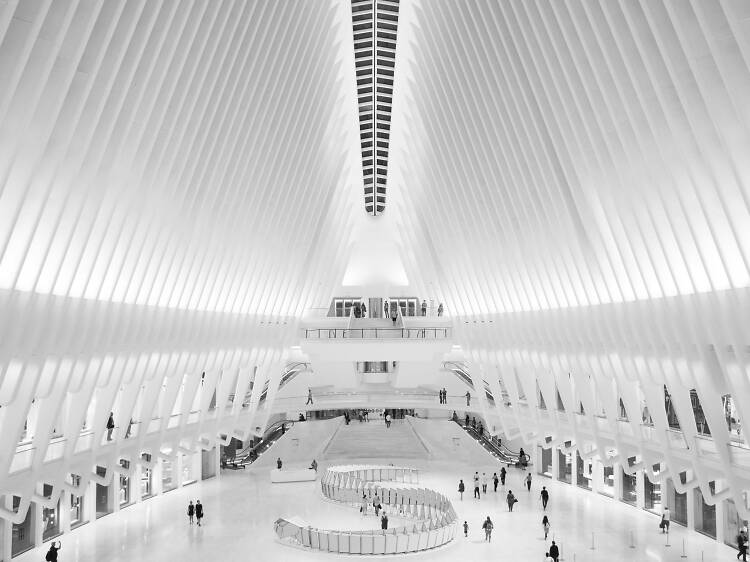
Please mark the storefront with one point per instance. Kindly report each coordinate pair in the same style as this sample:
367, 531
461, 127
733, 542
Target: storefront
102, 496
124, 488
732, 523
21, 535
546, 461
629, 493
677, 502
168, 481
608, 481
208, 463
652, 491
188, 470
705, 515
564, 466
583, 472
50, 516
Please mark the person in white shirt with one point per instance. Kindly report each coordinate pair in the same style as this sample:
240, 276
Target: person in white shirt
665, 517
484, 482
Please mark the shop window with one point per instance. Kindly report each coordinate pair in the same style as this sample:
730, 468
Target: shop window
583, 472
564, 466
124, 488
546, 466
21, 536
629, 494
147, 478
188, 474
102, 495
608, 480
208, 464
705, 515
167, 477
50, 516
652, 491
76, 503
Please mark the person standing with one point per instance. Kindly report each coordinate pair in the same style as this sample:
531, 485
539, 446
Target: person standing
476, 485
385, 309
309, 397
484, 482
52, 552
278, 463
110, 425
742, 547
198, 511
511, 499
545, 526
545, 497
384, 522
528, 481
503, 472
466, 529
495, 480
376, 504
487, 526
461, 489
445, 396
387, 419
665, 517
468, 398
363, 507
554, 552
466, 420
364, 310
191, 511
440, 309
440, 394
314, 465
424, 308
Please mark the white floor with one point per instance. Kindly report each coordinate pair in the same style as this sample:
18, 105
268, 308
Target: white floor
242, 506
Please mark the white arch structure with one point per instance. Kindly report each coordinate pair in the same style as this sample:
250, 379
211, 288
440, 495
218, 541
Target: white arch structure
180, 181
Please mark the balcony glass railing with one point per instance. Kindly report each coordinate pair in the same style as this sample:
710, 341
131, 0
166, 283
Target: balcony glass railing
377, 333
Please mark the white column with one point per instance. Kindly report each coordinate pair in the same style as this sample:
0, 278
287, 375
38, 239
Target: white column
617, 473
64, 512
690, 504
555, 463
640, 489
721, 517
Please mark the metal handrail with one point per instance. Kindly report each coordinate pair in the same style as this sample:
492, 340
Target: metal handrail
377, 333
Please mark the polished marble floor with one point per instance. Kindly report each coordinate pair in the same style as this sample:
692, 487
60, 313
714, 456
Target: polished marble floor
241, 507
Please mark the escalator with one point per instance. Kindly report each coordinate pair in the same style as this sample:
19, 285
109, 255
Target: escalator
495, 447
250, 454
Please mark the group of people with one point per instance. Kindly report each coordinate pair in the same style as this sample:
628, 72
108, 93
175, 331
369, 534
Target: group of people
443, 396
377, 506
195, 511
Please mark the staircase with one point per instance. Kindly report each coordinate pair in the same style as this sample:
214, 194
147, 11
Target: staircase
372, 440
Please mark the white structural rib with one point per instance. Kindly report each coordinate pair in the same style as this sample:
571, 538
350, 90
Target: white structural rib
581, 186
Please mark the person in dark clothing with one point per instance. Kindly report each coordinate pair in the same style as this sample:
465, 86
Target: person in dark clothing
742, 547
511, 499
545, 497
384, 522
52, 552
394, 317
198, 511
528, 481
110, 425
474, 422
424, 308
467, 420
191, 511
495, 480
309, 397
445, 396
278, 463
503, 472
554, 552
440, 395
468, 398
301, 417
364, 311
545, 526
461, 489
385, 309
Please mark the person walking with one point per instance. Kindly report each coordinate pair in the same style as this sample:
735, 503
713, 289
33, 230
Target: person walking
191, 511
665, 517
554, 552
198, 511
511, 499
528, 482
364, 310
742, 547
495, 480
545, 497
387, 419
487, 526
376, 504
440, 309
468, 398
385, 309
384, 522
503, 472
309, 397
52, 552
545, 526
484, 482
467, 421
466, 529
461, 489
363, 507
278, 463
110, 425
476, 485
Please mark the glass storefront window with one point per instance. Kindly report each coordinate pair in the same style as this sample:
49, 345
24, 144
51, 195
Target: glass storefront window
564, 466
102, 495
167, 478
583, 471
50, 517
208, 464
546, 455
146, 478
705, 515
629, 494
21, 537
188, 476
732, 523
652, 492
608, 479
124, 489
678, 501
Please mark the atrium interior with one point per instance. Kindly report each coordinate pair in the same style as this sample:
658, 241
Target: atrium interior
388, 278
